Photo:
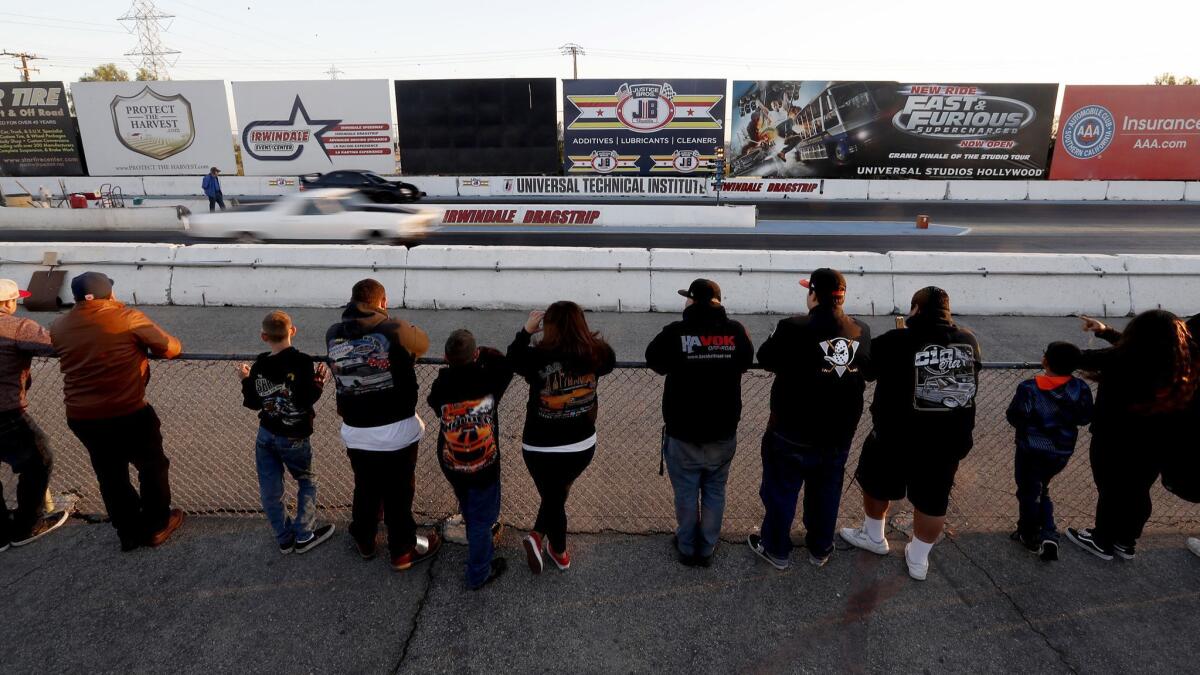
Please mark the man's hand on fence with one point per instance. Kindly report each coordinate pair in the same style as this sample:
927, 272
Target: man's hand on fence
533, 325
243, 370
1091, 325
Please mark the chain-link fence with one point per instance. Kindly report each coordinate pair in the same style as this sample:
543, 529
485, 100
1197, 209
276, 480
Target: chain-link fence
209, 438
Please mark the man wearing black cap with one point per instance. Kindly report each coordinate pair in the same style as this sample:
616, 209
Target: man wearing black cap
924, 417
703, 357
820, 362
102, 346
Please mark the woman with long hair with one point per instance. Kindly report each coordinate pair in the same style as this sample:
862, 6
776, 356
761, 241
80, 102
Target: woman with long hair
1147, 383
559, 439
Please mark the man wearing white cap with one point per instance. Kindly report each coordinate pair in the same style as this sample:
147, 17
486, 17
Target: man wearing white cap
22, 444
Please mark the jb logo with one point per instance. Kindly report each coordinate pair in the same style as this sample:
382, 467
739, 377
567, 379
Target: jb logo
691, 342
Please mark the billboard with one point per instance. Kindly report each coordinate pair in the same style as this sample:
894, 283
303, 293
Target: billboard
314, 126
504, 126
646, 126
154, 128
37, 133
1135, 132
890, 129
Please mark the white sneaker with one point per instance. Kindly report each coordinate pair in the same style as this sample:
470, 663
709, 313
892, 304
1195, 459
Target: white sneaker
1193, 544
916, 570
859, 537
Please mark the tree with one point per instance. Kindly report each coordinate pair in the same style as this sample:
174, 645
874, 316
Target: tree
1170, 78
108, 72
144, 75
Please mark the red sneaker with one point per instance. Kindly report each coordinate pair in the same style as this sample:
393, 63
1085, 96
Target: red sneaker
425, 549
562, 560
533, 551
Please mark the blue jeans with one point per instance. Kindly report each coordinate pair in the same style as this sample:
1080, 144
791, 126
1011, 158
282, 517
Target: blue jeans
272, 454
480, 506
1033, 472
698, 474
788, 467
23, 447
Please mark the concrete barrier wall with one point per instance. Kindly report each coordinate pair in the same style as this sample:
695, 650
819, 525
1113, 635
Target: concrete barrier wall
907, 190
1141, 191
144, 218
598, 215
140, 272
988, 190
1068, 190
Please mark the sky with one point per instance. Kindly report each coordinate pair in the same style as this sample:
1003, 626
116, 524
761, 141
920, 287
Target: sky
1070, 42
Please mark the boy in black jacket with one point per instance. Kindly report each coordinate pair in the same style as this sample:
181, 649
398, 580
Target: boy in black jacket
283, 385
1047, 412
466, 398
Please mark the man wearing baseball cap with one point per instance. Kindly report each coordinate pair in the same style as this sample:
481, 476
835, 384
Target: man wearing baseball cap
820, 361
102, 347
23, 446
703, 357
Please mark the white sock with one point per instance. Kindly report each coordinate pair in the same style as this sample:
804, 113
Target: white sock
918, 551
873, 527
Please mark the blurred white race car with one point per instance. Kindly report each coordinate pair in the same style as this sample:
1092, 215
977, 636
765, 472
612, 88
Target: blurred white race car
327, 214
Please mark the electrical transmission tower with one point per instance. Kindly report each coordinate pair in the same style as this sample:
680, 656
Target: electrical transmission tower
574, 51
333, 71
147, 22
25, 58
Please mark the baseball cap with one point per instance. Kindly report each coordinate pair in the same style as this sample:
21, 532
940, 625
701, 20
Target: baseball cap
702, 290
94, 284
931, 299
9, 290
826, 282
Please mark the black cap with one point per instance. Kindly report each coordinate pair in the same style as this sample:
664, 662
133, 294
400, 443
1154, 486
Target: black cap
702, 290
826, 283
94, 284
931, 300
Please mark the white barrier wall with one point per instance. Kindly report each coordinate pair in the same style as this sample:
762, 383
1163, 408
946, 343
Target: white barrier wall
1139, 191
923, 190
988, 190
140, 272
144, 218
598, 215
868, 280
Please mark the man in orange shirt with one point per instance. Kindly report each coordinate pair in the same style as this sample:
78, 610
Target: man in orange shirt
102, 347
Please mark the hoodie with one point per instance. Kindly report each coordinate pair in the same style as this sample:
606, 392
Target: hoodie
466, 400
1047, 413
372, 357
283, 388
561, 413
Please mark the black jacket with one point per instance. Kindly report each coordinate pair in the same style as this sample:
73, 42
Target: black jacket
466, 400
820, 363
928, 378
283, 389
703, 357
562, 395
372, 359
1047, 417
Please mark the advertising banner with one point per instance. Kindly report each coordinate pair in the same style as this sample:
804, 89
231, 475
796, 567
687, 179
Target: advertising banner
891, 130
663, 187
314, 126
1135, 132
643, 127
154, 128
37, 133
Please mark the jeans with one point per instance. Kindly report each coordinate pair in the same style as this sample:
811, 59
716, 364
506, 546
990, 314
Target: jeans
216, 200
480, 506
23, 446
1124, 475
115, 443
272, 454
788, 467
1033, 471
553, 474
698, 474
384, 481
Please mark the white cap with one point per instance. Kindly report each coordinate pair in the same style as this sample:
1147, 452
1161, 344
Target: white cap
9, 290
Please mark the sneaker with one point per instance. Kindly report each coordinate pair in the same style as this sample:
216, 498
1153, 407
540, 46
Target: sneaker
1048, 551
858, 537
817, 561
5, 545
499, 565
173, 522
1084, 540
288, 546
1126, 551
44, 526
1029, 544
704, 561
916, 570
533, 552
1193, 545
318, 536
366, 551
754, 541
425, 548
561, 560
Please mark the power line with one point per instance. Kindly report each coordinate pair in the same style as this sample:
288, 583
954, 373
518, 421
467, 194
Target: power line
333, 71
147, 21
25, 58
574, 51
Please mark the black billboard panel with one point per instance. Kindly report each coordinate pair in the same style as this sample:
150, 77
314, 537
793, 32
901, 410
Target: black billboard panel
37, 132
646, 127
792, 128
490, 127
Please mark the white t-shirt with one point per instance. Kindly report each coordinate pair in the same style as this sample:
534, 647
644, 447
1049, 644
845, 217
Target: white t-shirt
394, 436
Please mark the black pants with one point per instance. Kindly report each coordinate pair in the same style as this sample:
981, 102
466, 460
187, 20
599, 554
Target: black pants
1124, 475
216, 200
23, 447
553, 473
115, 443
384, 481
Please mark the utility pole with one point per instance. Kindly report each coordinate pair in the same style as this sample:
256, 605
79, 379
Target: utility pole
333, 71
147, 22
25, 58
574, 51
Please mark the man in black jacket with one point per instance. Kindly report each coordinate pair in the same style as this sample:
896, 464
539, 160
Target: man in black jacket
703, 357
924, 415
819, 361
373, 358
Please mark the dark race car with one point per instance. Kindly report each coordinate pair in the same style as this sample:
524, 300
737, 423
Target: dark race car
370, 184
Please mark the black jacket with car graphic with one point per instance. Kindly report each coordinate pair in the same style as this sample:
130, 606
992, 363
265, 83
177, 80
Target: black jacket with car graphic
283, 389
562, 394
372, 358
466, 400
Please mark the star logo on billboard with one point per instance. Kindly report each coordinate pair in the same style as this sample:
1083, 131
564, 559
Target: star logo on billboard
285, 140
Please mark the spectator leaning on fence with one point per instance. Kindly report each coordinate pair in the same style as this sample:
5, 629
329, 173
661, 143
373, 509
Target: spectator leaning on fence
283, 385
1182, 476
703, 357
559, 440
1046, 412
820, 363
102, 346
466, 398
211, 184
924, 418
373, 357
23, 446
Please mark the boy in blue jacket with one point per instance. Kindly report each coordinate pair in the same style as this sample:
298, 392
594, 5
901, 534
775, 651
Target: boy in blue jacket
1047, 412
